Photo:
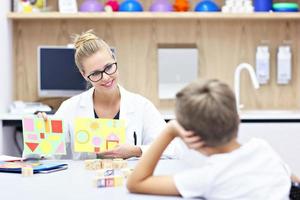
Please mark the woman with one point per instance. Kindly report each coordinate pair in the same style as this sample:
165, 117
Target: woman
107, 99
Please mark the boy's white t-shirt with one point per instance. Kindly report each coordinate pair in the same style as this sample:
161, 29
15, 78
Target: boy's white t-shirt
252, 172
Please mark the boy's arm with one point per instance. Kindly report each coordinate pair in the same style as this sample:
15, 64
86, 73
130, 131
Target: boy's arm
142, 179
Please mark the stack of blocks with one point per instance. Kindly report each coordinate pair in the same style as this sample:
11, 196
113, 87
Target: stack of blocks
110, 173
108, 178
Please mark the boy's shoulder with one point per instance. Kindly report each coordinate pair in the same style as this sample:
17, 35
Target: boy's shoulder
257, 143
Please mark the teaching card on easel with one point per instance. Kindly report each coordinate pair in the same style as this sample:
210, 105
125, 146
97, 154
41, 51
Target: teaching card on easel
98, 135
43, 137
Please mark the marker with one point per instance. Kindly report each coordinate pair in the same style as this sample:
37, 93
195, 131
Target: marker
134, 138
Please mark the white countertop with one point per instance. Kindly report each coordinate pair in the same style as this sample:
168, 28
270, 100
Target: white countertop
255, 114
244, 115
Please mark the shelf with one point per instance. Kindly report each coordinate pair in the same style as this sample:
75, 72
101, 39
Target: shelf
151, 15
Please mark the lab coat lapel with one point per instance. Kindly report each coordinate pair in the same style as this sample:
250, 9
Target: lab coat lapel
126, 105
86, 104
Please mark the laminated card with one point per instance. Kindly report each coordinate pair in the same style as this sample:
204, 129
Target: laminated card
98, 135
43, 137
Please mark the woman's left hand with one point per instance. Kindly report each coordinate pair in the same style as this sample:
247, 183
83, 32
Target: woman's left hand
123, 151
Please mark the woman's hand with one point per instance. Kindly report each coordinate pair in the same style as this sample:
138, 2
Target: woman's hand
43, 115
192, 140
123, 151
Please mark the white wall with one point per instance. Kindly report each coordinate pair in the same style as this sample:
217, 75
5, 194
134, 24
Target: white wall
6, 68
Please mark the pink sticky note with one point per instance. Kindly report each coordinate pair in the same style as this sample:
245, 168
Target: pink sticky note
28, 124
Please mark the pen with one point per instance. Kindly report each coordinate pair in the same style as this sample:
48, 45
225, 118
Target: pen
134, 138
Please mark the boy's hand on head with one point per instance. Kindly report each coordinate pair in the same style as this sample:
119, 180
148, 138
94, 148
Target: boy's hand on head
192, 140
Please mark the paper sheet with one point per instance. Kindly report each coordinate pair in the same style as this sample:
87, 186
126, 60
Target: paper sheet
43, 137
98, 135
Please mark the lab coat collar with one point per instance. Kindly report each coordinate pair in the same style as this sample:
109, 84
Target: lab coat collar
126, 105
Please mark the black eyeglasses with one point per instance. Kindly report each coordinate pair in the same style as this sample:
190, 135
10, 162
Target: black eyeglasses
98, 75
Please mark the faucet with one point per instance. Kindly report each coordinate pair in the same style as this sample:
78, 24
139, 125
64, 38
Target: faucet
237, 74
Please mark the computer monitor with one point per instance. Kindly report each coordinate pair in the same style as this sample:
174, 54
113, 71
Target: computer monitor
58, 75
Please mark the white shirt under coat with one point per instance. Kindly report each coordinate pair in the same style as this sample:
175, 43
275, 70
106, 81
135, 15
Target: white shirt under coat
140, 115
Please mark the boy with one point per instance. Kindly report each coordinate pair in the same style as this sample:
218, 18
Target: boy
207, 120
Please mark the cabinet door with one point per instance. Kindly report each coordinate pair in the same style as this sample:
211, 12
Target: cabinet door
283, 137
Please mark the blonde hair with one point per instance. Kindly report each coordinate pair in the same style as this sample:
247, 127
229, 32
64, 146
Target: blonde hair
87, 44
209, 109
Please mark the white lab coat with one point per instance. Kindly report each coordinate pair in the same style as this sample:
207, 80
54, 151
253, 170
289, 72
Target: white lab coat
139, 113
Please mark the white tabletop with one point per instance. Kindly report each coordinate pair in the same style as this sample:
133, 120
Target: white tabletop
73, 183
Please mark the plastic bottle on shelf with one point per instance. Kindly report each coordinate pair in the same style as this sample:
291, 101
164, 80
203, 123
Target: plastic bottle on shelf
284, 65
263, 64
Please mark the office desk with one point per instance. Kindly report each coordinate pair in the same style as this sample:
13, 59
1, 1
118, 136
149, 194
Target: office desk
73, 183
279, 128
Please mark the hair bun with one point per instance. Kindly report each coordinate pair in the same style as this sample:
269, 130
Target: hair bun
79, 40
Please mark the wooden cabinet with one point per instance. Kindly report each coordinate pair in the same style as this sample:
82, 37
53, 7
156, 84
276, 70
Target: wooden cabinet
223, 42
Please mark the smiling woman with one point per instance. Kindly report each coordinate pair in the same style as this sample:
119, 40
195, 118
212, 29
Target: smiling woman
107, 99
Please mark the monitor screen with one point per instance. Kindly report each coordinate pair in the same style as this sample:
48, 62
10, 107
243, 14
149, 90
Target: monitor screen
58, 75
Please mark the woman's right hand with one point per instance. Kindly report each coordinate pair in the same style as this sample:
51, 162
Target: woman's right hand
43, 115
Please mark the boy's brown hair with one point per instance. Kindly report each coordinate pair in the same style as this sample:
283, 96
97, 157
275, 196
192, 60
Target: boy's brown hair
209, 109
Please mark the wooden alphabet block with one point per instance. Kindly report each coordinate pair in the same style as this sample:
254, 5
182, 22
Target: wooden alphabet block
106, 172
118, 181
107, 164
119, 163
27, 171
109, 181
99, 182
93, 164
